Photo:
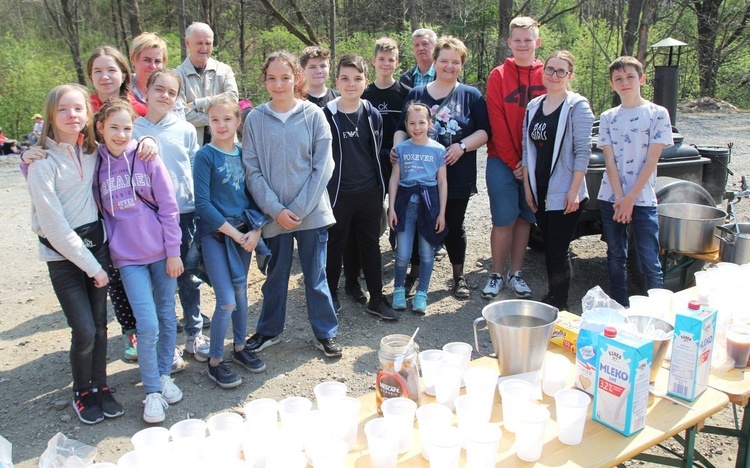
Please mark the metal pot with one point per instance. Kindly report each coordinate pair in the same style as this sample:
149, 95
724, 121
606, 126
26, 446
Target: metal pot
689, 228
734, 246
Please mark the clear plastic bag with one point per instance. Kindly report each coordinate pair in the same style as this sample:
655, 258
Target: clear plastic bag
66, 453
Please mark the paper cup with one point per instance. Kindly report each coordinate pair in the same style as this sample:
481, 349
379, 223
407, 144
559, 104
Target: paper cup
571, 408
482, 441
382, 441
532, 424
429, 361
432, 416
515, 394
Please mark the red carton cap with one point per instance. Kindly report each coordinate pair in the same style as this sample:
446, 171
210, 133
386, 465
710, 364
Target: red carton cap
610, 332
694, 305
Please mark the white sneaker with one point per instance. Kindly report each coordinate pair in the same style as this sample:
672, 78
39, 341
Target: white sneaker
153, 408
493, 286
169, 390
178, 364
199, 346
518, 284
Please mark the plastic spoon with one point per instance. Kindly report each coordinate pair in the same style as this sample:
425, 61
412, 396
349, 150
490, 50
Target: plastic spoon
663, 394
400, 357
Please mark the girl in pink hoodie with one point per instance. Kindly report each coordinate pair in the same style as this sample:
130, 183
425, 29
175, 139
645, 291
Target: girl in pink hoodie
142, 221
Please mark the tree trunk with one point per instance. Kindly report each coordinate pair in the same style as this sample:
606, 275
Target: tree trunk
629, 35
647, 16
242, 47
707, 13
503, 30
66, 22
183, 25
120, 17
333, 29
134, 14
119, 33
414, 15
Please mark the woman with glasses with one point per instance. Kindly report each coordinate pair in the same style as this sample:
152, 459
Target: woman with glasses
556, 148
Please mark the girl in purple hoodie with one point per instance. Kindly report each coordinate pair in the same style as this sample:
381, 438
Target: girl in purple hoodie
142, 221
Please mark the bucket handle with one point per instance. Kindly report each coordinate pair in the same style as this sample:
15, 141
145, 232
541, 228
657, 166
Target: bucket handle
727, 239
477, 321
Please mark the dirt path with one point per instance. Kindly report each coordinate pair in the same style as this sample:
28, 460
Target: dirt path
34, 338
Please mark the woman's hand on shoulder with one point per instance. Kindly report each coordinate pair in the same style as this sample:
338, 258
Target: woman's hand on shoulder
148, 150
32, 154
287, 219
174, 267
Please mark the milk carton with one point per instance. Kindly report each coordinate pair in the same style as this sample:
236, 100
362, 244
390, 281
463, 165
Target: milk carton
692, 344
593, 322
622, 379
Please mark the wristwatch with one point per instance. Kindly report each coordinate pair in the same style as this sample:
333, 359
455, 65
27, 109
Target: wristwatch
462, 145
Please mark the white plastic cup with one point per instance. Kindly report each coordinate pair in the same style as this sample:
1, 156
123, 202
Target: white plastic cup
555, 374
482, 442
429, 361
187, 436
150, 445
227, 430
481, 385
103, 465
329, 452
402, 411
532, 424
447, 384
344, 420
515, 394
640, 305
571, 407
738, 344
661, 301
704, 285
469, 412
128, 460
295, 419
382, 441
256, 444
326, 393
262, 415
432, 416
445, 447
458, 353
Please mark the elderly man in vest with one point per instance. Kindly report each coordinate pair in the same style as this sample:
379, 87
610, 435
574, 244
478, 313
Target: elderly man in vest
203, 78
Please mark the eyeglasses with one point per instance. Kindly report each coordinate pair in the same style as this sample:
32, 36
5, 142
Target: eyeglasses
560, 73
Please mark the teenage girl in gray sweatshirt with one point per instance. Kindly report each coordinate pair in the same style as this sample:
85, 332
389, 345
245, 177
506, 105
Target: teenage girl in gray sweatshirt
286, 150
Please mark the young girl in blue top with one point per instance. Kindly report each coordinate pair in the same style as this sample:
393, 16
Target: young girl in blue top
417, 193
228, 232
143, 226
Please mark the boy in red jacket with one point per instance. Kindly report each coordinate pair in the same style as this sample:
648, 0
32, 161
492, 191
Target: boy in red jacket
509, 88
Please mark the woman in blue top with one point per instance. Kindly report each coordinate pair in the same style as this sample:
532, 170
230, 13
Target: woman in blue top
460, 123
229, 231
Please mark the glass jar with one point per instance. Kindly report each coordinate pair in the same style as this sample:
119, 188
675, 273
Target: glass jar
393, 383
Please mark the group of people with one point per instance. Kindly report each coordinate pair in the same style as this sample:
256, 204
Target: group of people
142, 187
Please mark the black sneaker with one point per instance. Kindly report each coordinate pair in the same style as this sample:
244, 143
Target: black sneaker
410, 285
329, 346
336, 304
381, 308
354, 290
259, 342
110, 407
87, 408
223, 377
249, 360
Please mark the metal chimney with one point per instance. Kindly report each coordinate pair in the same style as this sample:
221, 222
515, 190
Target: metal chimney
667, 77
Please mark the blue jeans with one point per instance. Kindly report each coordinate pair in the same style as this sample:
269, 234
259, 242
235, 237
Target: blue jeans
151, 295
645, 227
187, 283
311, 247
405, 245
231, 294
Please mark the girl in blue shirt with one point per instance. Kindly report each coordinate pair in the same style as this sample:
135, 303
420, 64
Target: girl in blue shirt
229, 230
417, 192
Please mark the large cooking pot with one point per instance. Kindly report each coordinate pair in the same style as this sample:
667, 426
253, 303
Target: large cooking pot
689, 228
734, 246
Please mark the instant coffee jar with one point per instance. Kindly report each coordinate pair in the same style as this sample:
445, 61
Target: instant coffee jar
398, 372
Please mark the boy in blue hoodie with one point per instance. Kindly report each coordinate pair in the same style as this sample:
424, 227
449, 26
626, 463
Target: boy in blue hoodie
357, 188
178, 144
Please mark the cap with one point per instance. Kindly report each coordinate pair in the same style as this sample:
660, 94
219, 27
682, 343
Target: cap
36, 116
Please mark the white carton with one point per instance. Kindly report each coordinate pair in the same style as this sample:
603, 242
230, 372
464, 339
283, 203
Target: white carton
622, 379
593, 323
692, 344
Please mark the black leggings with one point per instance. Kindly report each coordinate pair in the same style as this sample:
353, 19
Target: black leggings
123, 311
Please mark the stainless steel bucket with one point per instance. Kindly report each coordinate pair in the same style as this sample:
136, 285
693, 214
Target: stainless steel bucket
642, 323
520, 331
735, 246
689, 228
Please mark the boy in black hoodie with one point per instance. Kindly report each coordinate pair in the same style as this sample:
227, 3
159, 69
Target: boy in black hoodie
357, 188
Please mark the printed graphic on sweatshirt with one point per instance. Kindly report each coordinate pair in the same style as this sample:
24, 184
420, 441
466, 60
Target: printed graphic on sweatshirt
120, 190
233, 172
523, 94
445, 125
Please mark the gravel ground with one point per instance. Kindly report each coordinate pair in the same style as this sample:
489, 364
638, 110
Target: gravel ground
34, 338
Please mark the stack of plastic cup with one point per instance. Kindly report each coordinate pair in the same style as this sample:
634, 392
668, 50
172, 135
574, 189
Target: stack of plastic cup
481, 385
459, 354
482, 442
382, 441
326, 393
429, 417
445, 447
401, 411
571, 408
448, 384
515, 394
429, 361
295, 419
151, 446
532, 425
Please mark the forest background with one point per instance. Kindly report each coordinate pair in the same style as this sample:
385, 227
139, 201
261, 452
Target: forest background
44, 43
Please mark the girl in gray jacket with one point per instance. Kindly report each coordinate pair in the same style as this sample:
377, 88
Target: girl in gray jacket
556, 149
